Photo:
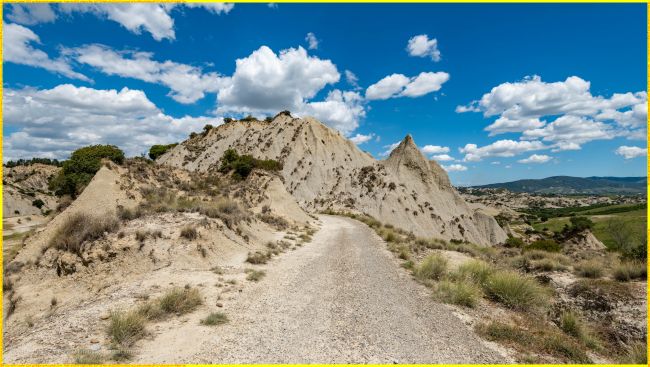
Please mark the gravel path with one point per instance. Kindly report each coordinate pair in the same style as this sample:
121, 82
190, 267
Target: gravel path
339, 299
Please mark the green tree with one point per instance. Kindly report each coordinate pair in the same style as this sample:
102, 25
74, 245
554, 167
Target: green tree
81, 167
580, 224
157, 150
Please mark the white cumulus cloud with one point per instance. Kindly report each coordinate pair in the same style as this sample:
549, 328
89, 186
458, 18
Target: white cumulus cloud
399, 85
443, 157
18, 47
631, 152
422, 46
54, 122
340, 110
527, 106
30, 14
360, 138
154, 19
187, 83
500, 148
268, 82
536, 158
434, 149
454, 168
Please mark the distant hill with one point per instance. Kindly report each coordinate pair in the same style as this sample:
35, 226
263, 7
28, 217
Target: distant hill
576, 185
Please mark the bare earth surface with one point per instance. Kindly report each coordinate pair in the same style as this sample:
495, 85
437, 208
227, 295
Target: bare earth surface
339, 299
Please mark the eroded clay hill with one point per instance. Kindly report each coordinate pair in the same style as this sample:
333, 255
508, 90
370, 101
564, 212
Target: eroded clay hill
24, 186
323, 170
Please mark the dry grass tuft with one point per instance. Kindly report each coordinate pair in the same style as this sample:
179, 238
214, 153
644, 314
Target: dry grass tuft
82, 227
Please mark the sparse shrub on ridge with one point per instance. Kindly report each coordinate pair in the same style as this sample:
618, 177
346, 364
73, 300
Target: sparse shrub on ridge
242, 165
157, 150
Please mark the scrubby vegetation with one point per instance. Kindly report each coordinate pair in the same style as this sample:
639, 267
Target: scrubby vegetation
514, 290
29, 162
242, 165
157, 150
81, 167
127, 327
514, 278
431, 268
180, 300
545, 245
255, 275
215, 318
79, 228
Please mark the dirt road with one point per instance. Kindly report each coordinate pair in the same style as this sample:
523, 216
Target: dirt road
340, 299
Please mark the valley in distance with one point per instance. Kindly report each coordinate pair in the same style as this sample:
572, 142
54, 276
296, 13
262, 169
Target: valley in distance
280, 241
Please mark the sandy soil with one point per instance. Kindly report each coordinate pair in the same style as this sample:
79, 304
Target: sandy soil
340, 299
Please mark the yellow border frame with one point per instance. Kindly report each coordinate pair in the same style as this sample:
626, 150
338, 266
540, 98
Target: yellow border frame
647, 2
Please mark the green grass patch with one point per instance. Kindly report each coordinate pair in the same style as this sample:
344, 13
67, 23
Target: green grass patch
431, 268
459, 292
515, 291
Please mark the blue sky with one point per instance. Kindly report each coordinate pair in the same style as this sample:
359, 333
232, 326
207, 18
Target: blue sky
547, 89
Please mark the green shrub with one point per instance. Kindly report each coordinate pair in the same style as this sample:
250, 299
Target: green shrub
79, 228
545, 245
514, 290
215, 318
630, 270
515, 242
580, 224
81, 167
38, 203
180, 300
242, 165
157, 150
431, 268
125, 328
460, 292
475, 270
